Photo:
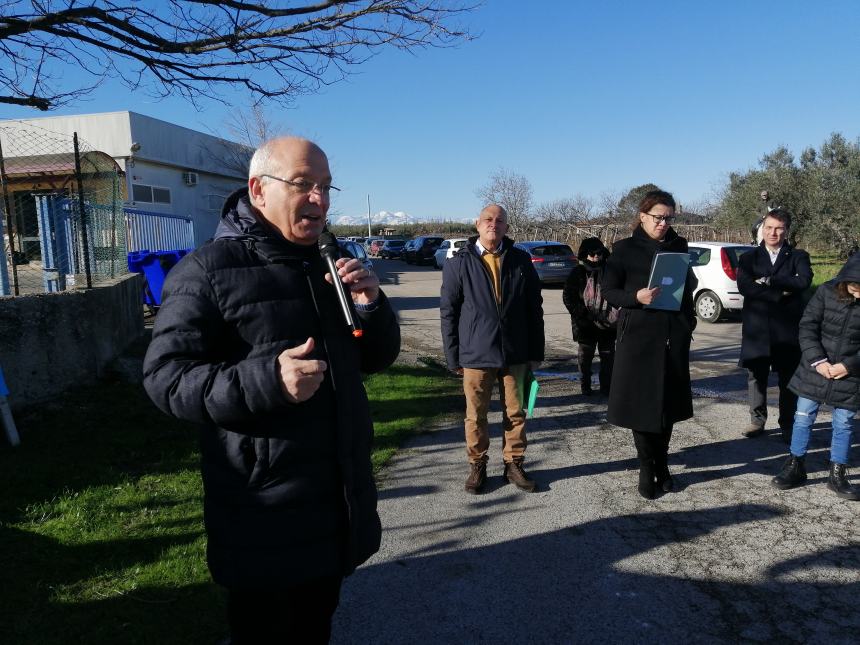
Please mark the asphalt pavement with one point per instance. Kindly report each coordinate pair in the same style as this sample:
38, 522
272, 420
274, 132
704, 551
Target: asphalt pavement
723, 559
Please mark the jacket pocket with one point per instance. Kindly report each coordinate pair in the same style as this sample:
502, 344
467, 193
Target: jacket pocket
258, 448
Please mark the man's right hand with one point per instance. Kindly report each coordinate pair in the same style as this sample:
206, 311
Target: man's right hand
300, 378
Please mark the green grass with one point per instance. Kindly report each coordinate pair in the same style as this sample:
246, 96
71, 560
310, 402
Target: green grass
405, 400
824, 267
101, 527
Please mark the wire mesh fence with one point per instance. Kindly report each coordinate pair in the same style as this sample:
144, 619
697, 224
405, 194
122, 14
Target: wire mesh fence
63, 224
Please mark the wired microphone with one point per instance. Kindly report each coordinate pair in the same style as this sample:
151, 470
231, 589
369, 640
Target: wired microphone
330, 251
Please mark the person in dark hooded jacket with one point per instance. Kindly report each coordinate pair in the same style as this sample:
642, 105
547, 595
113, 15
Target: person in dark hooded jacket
250, 343
591, 329
829, 373
651, 376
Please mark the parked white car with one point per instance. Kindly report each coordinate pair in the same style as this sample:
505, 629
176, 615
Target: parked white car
715, 265
447, 249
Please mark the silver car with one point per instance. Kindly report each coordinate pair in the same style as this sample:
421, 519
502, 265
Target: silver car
715, 265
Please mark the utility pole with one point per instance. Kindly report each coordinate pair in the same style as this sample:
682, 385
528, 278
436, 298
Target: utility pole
368, 215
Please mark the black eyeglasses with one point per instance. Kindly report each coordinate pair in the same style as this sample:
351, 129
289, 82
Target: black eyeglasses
305, 187
659, 219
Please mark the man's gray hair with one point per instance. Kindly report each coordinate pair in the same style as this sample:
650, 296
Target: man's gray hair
262, 162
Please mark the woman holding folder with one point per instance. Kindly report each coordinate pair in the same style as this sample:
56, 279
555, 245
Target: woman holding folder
651, 378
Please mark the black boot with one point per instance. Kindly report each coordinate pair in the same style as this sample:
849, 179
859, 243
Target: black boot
606, 361
586, 385
646, 478
585, 357
664, 477
838, 482
793, 474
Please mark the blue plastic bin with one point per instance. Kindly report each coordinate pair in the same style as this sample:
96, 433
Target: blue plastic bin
154, 265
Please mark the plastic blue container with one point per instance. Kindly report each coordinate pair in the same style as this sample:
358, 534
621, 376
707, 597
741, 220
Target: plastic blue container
154, 265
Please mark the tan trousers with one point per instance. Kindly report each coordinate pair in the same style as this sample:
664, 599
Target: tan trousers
478, 388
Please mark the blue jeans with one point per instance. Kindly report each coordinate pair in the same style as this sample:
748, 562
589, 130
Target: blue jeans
804, 417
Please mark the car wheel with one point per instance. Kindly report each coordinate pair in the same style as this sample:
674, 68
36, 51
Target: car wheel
708, 306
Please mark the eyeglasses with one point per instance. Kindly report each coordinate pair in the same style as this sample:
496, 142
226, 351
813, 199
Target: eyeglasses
305, 187
659, 219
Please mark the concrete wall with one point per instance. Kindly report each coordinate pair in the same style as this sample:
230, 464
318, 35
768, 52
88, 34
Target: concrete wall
51, 341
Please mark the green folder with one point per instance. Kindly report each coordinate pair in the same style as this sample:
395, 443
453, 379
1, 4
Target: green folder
529, 392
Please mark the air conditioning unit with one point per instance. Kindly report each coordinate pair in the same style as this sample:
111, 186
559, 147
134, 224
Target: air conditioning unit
190, 178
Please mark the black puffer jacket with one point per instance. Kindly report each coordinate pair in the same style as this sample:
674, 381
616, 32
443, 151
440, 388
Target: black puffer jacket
477, 332
830, 329
289, 493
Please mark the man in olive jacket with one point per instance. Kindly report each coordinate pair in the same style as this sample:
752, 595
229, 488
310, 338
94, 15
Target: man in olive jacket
250, 344
492, 330
772, 279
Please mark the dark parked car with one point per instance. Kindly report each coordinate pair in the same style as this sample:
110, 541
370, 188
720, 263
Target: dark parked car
392, 249
553, 261
421, 249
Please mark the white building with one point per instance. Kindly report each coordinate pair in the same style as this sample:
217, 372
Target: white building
168, 168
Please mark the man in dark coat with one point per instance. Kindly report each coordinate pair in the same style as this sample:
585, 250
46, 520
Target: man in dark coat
492, 330
772, 279
250, 343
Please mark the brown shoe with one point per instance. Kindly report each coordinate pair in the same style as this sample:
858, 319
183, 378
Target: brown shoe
477, 478
752, 430
515, 474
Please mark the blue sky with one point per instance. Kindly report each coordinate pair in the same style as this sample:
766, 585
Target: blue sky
579, 97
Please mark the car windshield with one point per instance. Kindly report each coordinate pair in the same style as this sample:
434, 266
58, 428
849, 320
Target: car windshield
394, 244
554, 250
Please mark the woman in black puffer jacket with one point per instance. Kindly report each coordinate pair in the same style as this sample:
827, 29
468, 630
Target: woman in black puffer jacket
829, 372
592, 330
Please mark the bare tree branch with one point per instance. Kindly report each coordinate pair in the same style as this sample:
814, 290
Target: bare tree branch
511, 191
192, 48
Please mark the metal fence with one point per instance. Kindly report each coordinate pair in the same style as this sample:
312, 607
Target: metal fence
62, 220
157, 231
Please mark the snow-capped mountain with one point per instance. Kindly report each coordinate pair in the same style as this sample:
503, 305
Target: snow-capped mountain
382, 217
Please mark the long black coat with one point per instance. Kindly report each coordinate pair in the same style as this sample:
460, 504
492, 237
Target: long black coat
477, 331
830, 329
772, 311
651, 375
288, 487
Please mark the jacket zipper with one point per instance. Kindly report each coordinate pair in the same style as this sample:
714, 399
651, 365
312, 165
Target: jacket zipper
307, 273
845, 320
493, 293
